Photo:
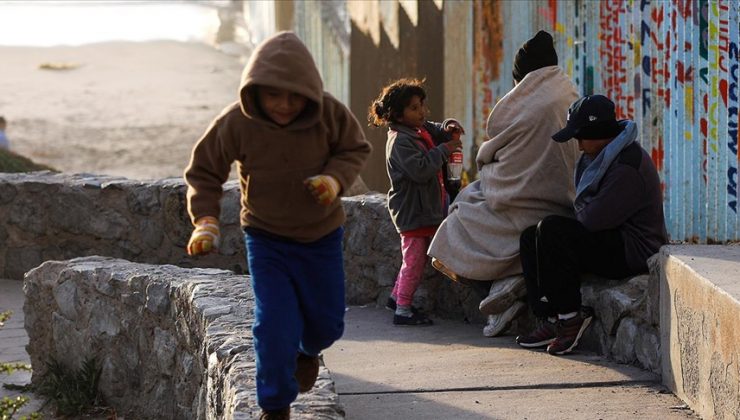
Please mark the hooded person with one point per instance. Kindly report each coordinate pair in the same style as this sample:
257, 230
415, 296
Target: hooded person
296, 148
524, 176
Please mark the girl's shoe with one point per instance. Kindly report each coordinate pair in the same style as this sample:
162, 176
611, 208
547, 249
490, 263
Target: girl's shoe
417, 319
391, 304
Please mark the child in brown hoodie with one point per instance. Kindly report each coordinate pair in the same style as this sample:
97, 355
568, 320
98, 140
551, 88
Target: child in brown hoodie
297, 148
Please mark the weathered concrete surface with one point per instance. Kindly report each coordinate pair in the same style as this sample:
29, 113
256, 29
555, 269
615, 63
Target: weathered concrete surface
699, 318
173, 343
449, 371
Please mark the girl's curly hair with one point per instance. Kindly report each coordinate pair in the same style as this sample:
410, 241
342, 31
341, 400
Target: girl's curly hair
389, 105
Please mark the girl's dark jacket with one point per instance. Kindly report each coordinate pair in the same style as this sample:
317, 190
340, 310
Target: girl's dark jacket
415, 198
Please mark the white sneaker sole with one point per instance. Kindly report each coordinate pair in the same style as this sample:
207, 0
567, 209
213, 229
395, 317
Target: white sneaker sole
499, 323
504, 296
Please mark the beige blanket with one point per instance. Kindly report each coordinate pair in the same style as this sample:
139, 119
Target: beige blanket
524, 176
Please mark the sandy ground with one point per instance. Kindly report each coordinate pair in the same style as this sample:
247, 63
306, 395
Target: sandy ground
130, 109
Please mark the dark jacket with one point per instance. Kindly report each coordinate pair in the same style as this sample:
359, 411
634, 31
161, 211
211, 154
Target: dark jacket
415, 199
629, 198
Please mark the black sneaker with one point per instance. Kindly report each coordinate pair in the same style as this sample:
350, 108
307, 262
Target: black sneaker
569, 331
391, 305
542, 336
417, 319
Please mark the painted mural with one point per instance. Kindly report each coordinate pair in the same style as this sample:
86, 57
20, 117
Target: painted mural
672, 66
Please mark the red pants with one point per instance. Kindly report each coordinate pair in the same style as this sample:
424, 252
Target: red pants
414, 251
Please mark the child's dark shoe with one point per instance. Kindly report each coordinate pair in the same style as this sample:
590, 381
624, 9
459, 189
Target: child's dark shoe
282, 414
417, 319
306, 371
391, 304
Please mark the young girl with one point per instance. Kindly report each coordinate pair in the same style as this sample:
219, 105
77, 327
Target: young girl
416, 154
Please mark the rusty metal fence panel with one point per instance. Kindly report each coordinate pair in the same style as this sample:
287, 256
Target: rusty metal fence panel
672, 66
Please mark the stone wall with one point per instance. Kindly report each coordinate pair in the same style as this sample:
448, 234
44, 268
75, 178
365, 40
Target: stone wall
50, 216
172, 343
626, 325
55, 216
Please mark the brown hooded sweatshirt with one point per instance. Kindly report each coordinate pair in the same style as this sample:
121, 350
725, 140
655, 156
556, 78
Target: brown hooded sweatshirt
272, 160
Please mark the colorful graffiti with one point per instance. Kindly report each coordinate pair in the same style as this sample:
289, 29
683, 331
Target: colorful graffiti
673, 67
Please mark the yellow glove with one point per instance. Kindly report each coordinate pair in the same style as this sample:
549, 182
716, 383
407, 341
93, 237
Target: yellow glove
205, 237
323, 187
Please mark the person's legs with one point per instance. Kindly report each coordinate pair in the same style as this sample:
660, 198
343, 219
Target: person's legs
318, 270
320, 288
414, 252
559, 247
544, 333
530, 269
564, 249
278, 324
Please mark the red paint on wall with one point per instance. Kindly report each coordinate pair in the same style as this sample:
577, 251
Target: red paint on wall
658, 154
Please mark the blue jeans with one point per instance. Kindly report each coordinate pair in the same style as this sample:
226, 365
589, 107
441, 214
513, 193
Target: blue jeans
299, 307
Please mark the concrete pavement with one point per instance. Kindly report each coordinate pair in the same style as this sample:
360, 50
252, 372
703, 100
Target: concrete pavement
13, 340
450, 371
446, 371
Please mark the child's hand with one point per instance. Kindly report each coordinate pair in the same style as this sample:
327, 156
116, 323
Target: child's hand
205, 237
454, 144
455, 130
323, 187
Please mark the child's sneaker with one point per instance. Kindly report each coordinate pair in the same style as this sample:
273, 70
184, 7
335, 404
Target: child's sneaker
499, 323
569, 331
306, 371
503, 294
391, 305
282, 414
417, 319
542, 336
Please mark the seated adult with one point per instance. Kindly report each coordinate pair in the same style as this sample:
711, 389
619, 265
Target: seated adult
619, 224
524, 176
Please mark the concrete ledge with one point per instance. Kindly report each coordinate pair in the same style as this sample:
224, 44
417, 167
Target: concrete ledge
699, 319
173, 343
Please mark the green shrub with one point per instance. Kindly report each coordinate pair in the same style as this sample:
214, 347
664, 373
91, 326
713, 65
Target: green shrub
72, 392
13, 162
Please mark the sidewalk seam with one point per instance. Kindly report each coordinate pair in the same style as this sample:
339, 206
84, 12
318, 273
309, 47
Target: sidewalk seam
606, 384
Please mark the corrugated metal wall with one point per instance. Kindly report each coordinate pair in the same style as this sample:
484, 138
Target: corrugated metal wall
324, 27
672, 66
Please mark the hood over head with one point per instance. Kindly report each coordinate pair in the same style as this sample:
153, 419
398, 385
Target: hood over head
282, 61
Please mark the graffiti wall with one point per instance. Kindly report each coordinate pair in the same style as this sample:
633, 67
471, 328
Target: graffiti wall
672, 66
